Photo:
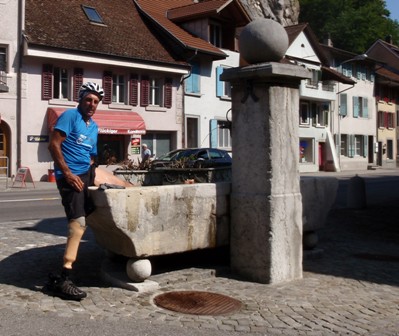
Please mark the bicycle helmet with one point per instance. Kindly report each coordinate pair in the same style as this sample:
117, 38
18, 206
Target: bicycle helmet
91, 87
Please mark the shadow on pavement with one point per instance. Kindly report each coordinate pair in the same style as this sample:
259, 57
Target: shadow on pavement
54, 226
362, 244
30, 267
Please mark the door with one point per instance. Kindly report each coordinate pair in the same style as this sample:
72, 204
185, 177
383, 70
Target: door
4, 151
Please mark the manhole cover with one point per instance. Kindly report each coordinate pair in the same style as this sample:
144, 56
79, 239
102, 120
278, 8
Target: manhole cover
198, 303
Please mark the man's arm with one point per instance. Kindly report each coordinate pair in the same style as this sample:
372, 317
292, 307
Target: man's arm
57, 138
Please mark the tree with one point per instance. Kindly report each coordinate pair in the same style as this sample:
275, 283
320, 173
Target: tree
353, 25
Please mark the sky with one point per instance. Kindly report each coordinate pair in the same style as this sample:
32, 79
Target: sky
393, 7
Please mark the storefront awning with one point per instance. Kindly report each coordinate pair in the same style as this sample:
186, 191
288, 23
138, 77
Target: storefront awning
109, 122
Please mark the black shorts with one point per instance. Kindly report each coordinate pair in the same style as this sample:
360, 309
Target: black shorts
76, 204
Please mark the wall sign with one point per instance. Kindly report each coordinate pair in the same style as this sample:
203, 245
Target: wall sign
38, 138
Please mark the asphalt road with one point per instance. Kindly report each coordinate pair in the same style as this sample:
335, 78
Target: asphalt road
30, 204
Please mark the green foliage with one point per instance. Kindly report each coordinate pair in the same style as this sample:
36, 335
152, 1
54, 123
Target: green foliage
353, 25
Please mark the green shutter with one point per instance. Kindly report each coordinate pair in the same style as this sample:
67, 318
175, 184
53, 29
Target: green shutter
343, 108
351, 146
355, 107
365, 108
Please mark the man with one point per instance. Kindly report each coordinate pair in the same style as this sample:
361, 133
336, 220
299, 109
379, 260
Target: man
145, 156
73, 147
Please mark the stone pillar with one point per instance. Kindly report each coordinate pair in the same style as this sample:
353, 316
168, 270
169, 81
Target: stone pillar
266, 204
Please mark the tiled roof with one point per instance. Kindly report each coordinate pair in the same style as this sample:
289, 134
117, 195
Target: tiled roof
64, 25
161, 12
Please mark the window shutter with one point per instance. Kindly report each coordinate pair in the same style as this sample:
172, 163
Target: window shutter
219, 83
365, 145
385, 119
337, 144
355, 107
343, 108
168, 93
365, 108
107, 87
77, 82
144, 91
47, 82
134, 90
351, 147
214, 133
192, 83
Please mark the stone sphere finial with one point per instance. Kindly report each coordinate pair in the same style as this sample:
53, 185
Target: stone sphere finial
263, 40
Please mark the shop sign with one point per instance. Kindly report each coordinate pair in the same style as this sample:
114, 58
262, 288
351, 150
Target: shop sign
38, 138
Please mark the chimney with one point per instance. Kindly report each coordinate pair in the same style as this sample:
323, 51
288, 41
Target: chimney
388, 39
327, 41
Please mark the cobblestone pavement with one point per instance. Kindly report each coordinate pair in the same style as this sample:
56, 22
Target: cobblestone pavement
350, 284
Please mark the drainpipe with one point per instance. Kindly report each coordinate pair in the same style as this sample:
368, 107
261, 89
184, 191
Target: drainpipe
19, 82
182, 82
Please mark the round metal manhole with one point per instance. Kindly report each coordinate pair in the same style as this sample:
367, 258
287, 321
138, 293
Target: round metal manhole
198, 303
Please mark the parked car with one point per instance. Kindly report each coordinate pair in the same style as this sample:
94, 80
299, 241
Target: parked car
193, 158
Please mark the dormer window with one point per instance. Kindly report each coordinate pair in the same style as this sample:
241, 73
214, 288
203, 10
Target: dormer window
92, 14
215, 34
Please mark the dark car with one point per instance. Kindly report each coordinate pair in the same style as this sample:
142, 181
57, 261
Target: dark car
193, 158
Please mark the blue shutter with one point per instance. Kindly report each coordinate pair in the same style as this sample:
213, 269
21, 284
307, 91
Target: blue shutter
355, 107
365, 145
343, 108
214, 133
219, 83
365, 108
192, 83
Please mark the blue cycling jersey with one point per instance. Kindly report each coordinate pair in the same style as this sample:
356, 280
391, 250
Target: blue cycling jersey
80, 142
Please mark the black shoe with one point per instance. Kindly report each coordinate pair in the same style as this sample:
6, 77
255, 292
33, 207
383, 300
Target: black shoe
64, 288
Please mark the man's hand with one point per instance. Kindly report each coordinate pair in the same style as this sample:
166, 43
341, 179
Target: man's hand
75, 181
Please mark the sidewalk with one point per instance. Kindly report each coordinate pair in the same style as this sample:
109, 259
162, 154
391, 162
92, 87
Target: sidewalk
350, 288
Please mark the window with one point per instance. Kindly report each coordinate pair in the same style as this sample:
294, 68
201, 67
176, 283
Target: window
344, 144
118, 89
3, 59
314, 81
61, 84
385, 120
156, 91
192, 83
192, 126
56, 82
92, 14
220, 136
389, 149
305, 150
343, 105
304, 114
360, 107
223, 89
215, 34
357, 145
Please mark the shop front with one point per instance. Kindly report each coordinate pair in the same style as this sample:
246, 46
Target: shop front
116, 132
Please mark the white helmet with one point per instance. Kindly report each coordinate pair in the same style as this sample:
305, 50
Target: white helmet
91, 87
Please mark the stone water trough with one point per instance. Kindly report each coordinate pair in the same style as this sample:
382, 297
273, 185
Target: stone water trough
141, 222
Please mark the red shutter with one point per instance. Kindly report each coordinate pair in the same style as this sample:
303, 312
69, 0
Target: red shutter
144, 91
385, 119
47, 82
133, 93
168, 93
77, 82
107, 87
